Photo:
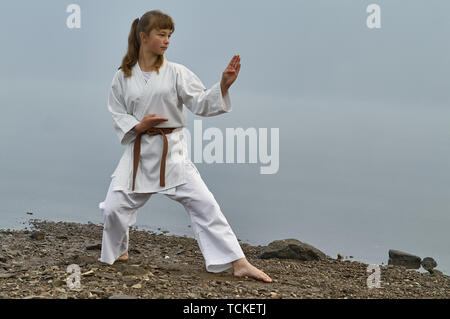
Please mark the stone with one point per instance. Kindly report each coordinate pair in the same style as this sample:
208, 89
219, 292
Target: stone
275, 295
82, 260
97, 292
135, 250
59, 283
94, 247
128, 270
291, 249
401, 258
428, 263
88, 273
37, 235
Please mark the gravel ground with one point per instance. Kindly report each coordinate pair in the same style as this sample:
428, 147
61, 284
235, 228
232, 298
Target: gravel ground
33, 265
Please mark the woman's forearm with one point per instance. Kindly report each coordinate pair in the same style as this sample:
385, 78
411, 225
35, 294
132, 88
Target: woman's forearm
148, 122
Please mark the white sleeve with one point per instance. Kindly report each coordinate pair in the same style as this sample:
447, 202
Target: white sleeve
198, 99
123, 122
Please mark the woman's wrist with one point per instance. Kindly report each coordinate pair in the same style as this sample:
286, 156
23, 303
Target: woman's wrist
223, 89
137, 128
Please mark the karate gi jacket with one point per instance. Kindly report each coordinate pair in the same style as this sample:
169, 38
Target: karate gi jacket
164, 94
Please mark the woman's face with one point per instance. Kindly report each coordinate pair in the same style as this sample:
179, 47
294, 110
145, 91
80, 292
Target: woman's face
158, 40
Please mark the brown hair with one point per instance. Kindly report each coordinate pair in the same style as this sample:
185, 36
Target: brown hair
154, 19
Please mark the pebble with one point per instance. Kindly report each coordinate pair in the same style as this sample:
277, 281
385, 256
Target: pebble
37, 235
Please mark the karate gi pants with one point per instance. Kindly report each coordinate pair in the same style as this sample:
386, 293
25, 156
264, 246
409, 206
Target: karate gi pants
214, 236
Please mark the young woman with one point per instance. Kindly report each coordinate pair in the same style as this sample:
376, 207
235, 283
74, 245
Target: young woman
146, 102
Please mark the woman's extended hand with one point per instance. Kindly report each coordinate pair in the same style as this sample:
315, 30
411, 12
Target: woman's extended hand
148, 122
231, 72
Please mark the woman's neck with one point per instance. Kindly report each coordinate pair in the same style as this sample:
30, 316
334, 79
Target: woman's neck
147, 60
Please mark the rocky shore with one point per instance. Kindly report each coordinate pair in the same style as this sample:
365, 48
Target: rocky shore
34, 264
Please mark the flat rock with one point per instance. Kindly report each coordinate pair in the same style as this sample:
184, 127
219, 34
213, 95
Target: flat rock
291, 249
401, 258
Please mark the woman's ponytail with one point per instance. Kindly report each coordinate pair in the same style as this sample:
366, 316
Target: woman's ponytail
131, 58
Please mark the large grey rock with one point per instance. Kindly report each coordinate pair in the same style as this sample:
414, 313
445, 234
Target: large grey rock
291, 249
429, 263
401, 258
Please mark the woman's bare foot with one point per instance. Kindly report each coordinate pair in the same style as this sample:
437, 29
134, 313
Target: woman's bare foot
124, 257
243, 268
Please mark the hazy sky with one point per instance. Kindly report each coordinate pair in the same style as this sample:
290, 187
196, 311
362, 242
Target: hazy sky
363, 114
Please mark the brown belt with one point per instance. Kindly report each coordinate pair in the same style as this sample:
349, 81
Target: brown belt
137, 151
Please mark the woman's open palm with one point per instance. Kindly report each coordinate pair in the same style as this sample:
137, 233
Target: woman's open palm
231, 72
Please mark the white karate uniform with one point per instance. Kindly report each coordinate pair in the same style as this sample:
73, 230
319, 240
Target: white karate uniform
131, 99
